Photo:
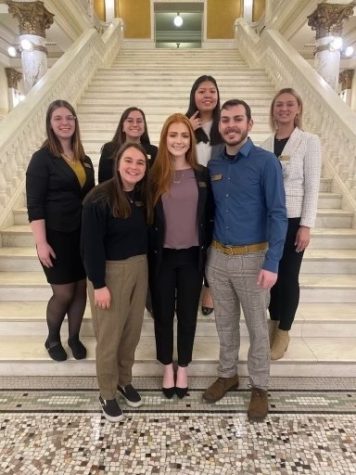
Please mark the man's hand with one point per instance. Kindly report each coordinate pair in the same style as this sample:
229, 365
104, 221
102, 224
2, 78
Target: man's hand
266, 279
102, 298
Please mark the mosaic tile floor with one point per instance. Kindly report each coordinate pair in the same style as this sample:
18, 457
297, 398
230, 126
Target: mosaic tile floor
54, 426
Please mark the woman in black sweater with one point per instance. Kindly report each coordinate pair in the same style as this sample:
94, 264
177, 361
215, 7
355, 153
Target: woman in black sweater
132, 127
114, 247
58, 177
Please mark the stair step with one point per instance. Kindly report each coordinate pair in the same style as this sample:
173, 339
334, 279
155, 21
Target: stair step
337, 261
26, 356
312, 320
314, 287
332, 218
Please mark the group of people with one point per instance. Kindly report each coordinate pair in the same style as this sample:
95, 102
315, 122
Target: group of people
207, 206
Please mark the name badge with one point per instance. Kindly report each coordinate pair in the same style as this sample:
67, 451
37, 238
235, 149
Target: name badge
284, 158
202, 184
138, 203
216, 177
87, 165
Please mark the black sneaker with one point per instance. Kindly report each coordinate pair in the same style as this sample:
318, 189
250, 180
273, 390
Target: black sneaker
130, 395
111, 409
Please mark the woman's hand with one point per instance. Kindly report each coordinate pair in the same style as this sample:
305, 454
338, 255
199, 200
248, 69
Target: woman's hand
45, 254
195, 120
302, 238
102, 298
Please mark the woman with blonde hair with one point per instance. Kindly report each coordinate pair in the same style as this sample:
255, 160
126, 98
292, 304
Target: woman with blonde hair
300, 157
179, 237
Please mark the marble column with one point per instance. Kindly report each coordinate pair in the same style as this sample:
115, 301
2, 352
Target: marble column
13, 77
327, 21
33, 19
345, 79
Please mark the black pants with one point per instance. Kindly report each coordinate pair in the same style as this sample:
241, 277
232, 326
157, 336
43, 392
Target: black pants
178, 278
285, 293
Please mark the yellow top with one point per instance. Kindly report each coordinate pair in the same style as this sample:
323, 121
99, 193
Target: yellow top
78, 168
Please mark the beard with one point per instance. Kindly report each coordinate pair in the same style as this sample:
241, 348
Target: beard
236, 140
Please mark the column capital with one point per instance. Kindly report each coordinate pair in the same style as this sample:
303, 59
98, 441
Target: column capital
345, 78
33, 17
13, 77
327, 19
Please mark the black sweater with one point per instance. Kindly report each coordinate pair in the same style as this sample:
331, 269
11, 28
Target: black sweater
107, 238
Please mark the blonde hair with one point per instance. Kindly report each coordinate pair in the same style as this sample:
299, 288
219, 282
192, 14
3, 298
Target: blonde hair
298, 118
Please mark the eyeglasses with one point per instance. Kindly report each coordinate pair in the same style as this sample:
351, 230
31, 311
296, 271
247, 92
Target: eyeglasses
68, 118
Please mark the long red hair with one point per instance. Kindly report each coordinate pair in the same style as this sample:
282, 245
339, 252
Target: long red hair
163, 168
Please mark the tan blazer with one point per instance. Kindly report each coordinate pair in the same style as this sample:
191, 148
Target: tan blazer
301, 164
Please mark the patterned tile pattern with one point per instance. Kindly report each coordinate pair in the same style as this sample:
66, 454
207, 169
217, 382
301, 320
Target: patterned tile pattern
53, 431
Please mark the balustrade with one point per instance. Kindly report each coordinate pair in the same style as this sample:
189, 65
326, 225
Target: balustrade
325, 114
23, 129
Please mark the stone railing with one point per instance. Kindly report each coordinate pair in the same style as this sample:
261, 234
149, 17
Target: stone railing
325, 114
22, 130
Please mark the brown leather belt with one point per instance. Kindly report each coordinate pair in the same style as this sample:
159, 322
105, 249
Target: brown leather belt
239, 250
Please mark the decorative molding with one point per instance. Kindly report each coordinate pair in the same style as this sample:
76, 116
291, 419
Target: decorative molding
328, 18
34, 18
13, 77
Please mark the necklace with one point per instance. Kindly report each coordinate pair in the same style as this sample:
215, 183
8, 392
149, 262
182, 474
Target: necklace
178, 179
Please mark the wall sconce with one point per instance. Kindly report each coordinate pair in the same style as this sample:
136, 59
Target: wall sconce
336, 44
178, 20
25, 45
348, 52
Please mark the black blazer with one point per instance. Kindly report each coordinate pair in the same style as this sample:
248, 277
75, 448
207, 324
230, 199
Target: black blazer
205, 223
53, 191
105, 170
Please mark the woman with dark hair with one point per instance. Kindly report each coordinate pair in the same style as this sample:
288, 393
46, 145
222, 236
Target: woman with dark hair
300, 157
179, 237
114, 248
204, 112
58, 177
132, 127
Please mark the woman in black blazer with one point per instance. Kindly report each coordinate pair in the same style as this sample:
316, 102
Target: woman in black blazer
58, 177
178, 241
132, 127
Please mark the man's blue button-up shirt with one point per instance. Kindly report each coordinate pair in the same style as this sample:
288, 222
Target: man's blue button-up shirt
250, 201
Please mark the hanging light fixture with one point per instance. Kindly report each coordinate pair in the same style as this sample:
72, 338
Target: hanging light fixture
178, 20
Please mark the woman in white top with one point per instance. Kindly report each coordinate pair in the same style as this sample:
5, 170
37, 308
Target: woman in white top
299, 154
203, 113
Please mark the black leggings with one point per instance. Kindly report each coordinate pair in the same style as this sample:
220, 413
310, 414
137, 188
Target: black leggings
178, 278
285, 293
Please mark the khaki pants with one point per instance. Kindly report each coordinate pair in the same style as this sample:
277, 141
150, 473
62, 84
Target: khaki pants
118, 329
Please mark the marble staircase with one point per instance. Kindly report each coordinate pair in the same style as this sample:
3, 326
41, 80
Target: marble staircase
324, 335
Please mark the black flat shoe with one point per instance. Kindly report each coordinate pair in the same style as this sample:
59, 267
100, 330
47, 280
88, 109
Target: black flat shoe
78, 349
181, 392
207, 310
168, 392
56, 351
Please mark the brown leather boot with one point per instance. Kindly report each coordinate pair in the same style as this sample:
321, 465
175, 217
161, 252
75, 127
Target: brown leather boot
280, 344
258, 408
219, 388
272, 328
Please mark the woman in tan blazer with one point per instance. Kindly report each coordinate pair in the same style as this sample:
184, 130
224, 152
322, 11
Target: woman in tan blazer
299, 154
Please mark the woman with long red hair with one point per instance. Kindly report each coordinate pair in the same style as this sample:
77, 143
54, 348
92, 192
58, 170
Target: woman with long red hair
179, 237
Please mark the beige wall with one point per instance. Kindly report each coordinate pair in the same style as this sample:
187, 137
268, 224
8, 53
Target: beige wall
136, 15
221, 15
259, 7
99, 7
